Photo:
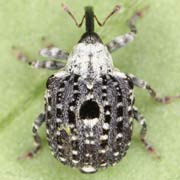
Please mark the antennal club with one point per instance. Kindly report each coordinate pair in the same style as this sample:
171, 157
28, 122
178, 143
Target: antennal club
115, 10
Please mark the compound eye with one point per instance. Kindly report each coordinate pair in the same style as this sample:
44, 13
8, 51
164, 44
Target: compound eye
89, 110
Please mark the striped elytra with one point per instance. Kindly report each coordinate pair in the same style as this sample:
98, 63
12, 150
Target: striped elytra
88, 123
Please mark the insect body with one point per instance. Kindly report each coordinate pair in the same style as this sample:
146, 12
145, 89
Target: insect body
95, 102
89, 107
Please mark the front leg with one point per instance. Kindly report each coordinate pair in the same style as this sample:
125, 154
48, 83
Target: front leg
121, 41
143, 84
54, 53
48, 64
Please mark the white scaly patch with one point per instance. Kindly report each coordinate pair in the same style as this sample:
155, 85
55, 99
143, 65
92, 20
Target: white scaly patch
119, 135
88, 169
106, 126
75, 161
75, 152
90, 122
116, 153
95, 54
62, 159
60, 74
119, 74
104, 137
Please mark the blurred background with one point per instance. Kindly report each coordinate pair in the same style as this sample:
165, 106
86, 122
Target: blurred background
153, 56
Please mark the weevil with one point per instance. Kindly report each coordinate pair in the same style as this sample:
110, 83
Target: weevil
90, 105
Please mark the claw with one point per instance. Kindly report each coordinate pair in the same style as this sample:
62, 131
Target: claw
153, 152
26, 156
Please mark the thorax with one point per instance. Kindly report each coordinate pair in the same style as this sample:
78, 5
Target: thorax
90, 60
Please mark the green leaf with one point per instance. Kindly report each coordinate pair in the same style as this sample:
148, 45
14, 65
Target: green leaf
153, 56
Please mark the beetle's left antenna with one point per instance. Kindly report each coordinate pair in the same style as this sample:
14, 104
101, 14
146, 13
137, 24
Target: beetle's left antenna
66, 9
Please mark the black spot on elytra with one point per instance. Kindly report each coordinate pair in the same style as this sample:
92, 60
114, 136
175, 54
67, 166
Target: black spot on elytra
49, 100
72, 103
119, 98
107, 108
119, 112
89, 110
58, 113
103, 98
76, 94
119, 126
76, 87
75, 157
76, 77
104, 144
104, 90
71, 117
107, 118
49, 115
105, 131
61, 84
104, 80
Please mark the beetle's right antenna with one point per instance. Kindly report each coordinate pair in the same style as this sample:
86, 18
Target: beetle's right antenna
66, 9
115, 10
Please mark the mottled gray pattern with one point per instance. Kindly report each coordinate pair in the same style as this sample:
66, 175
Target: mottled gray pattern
73, 133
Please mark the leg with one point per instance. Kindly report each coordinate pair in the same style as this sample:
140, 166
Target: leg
121, 41
143, 84
54, 52
37, 140
49, 64
140, 119
51, 51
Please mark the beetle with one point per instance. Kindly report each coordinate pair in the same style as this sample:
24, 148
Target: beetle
90, 106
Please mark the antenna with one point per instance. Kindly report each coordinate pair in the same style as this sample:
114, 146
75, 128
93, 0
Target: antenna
89, 17
115, 10
67, 9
